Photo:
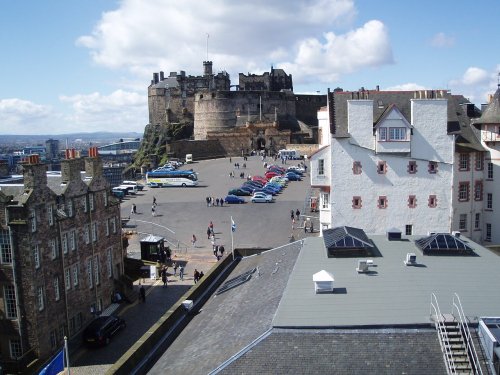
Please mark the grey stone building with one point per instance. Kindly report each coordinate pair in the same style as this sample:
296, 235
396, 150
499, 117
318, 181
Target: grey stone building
60, 258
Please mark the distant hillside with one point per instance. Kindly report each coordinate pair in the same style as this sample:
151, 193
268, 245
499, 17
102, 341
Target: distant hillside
108, 137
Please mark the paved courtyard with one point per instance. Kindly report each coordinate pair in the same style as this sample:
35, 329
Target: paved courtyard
182, 212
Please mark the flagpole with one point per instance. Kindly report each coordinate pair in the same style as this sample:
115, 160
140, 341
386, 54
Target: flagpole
232, 237
66, 354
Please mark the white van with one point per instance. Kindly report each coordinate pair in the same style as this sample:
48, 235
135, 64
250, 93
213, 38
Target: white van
189, 158
132, 189
289, 154
133, 183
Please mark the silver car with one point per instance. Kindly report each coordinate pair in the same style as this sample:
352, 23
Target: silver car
260, 197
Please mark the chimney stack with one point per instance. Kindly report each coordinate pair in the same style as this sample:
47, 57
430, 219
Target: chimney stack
71, 166
155, 77
93, 164
35, 173
162, 76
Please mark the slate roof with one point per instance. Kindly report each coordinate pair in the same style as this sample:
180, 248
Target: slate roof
458, 120
230, 321
342, 352
491, 115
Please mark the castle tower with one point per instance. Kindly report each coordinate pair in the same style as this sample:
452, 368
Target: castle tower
207, 68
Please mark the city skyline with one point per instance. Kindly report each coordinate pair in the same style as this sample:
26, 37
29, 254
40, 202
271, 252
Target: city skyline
85, 66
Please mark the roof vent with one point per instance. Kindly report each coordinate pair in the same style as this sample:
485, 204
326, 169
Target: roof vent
431, 233
362, 266
394, 234
456, 233
411, 259
323, 282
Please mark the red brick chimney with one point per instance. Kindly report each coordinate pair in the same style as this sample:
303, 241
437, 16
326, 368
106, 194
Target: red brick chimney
34, 172
93, 164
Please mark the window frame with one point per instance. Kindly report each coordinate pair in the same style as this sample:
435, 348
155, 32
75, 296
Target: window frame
477, 221
325, 201
357, 202
382, 167
489, 201
10, 301
57, 292
5, 247
409, 229
67, 278
15, 349
412, 167
357, 167
488, 232
462, 222
464, 162
74, 271
382, 202
321, 167
412, 201
36, 256
40, 298
432, 167
432, 201
479, 161
478, 190
490, 172
464, 191
50, 214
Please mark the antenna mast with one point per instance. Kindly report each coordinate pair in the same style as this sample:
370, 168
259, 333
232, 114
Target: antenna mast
208, 36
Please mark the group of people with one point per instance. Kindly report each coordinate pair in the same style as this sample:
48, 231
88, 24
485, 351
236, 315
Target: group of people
212, 202
197, 275
218, 250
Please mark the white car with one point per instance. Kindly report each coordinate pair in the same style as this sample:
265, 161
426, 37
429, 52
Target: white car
261, 197
297, 168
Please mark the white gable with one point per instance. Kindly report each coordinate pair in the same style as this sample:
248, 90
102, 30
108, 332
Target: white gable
393, 119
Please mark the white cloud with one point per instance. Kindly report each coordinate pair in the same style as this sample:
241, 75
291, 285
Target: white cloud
410, 86
476, 84
442, 40
119, 111
18, 116
145, 37
475, 76
367, 46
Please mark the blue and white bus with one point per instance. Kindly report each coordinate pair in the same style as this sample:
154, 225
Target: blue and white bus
166, 178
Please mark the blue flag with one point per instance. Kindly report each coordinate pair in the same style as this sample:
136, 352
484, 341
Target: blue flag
55, 366
233, 225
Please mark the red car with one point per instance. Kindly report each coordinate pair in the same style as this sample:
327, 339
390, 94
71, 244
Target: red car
260, 179
272, 174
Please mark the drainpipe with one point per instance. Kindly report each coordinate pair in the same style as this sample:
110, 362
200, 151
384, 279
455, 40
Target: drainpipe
63, 274
16, 287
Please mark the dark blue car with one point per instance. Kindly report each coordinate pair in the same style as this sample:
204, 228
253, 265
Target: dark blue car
233, 199
293, 176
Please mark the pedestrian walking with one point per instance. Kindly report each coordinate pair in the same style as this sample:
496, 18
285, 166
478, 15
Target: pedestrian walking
133, 210
221, 202
196, 276
193, 240
175, 266
154, 201
142, 293
209, 232
292, 215
153, 211
217, 201
208, 201
181, 272
297, 214
164, 276
221, 250
211, 226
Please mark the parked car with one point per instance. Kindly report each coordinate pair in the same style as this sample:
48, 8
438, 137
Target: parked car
153, 185
279, 180
239, 192
248, 188
233, 199
260, 197
275, 168
271, 174
254, 184
118, 193
267, 191
293, 170
293, 176
100, 331
259, 178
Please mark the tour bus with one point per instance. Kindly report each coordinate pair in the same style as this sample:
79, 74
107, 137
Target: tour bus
173, 178
289, 154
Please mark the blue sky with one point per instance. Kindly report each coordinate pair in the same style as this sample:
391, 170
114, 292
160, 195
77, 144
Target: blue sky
84, 65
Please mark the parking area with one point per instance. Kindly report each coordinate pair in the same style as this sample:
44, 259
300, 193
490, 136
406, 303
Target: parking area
182, 212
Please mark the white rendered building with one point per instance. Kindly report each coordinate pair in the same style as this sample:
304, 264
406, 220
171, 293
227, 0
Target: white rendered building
400, 159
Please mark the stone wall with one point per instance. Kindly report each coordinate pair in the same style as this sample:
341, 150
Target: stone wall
304, 150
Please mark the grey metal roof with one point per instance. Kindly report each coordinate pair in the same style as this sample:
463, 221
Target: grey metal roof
491, 115
391, 293
152, 238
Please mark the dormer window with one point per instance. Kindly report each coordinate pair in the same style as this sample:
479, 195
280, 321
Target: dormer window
391, 134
